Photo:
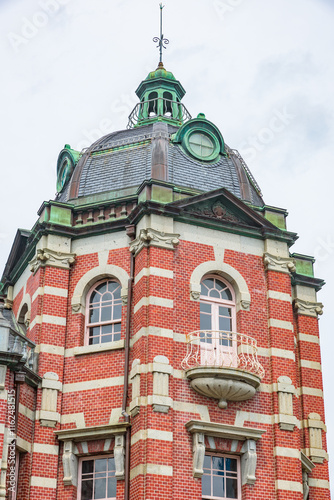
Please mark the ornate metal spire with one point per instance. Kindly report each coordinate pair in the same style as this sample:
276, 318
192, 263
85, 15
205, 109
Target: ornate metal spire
161, 41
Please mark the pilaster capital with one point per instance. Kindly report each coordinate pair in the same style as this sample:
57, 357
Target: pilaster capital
308, 308
279, 264
151, 237
46, 257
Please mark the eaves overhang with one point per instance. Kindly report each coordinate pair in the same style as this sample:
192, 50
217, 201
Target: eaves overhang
308, 281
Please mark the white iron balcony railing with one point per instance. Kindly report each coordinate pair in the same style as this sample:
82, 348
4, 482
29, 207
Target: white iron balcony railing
151, 109
219, 349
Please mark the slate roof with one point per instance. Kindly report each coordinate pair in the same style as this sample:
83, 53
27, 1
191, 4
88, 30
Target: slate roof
104, 167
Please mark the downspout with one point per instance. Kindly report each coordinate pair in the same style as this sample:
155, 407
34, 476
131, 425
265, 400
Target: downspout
131, 232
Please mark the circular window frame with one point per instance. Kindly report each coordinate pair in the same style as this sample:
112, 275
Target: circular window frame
214, 155
67, 167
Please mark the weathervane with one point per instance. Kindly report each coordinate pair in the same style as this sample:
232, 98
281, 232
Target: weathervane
161, 41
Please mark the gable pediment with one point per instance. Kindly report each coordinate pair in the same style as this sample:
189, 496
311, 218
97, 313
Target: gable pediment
223, 207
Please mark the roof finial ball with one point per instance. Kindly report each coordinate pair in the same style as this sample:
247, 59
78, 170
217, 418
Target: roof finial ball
161, 41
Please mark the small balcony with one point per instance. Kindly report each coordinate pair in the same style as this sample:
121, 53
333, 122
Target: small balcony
223, 365
16, 351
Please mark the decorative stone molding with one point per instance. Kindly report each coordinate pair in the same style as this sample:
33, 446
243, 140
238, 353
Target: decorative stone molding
70, 464
285, 391
243, 298
9, 298
78, 301
135, 381
308, 308
161, 372
279, 264
48, 414
248, 462
82, 435
200, 429
46, 257
198, 454
316, 452
119, 454
152, 237
225, 384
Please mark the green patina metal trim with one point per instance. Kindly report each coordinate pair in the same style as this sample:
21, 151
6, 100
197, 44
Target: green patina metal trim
308, 281
203, 126
121, 148
304, 264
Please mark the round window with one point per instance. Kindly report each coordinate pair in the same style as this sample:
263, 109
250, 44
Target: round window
203, 146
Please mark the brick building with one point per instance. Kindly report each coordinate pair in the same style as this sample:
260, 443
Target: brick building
157, 338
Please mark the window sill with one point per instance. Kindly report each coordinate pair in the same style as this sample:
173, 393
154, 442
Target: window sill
90, 349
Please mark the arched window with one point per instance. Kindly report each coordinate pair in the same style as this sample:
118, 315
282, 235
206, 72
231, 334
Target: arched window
168, 98
152, 104
217, 321
104, 311
23, 319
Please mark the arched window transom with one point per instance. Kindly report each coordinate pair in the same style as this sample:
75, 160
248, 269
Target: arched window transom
104, 311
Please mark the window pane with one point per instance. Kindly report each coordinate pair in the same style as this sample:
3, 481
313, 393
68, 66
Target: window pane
231, 488
94, 298
206, 485
231, 464
111, 464
220, 286
225, 311
209, 283
106, 313
87, 466
205, 323
214, 293
106, 338
117, 327
112, 286
218, 463
226, 295
112, 484
94, 335
218, 486
107, 297
100, 486
225, 324
102, 288
106, 329
117, 311
87, 490
94, 316
207, 462
205, 307
117, 292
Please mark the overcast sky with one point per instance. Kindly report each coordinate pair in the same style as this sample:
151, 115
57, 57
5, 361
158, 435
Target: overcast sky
262, 71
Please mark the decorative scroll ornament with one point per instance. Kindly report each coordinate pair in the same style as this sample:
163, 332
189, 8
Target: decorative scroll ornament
279, 264
245, 305
51, 258
307, 308
151, 237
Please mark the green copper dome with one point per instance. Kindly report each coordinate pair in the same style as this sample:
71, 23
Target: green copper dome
161, 72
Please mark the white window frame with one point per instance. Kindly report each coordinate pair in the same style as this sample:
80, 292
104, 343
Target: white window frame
89, 325
214, 353
235, 457
85, 459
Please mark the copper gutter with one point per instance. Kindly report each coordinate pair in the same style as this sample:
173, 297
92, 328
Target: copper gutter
131, 232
